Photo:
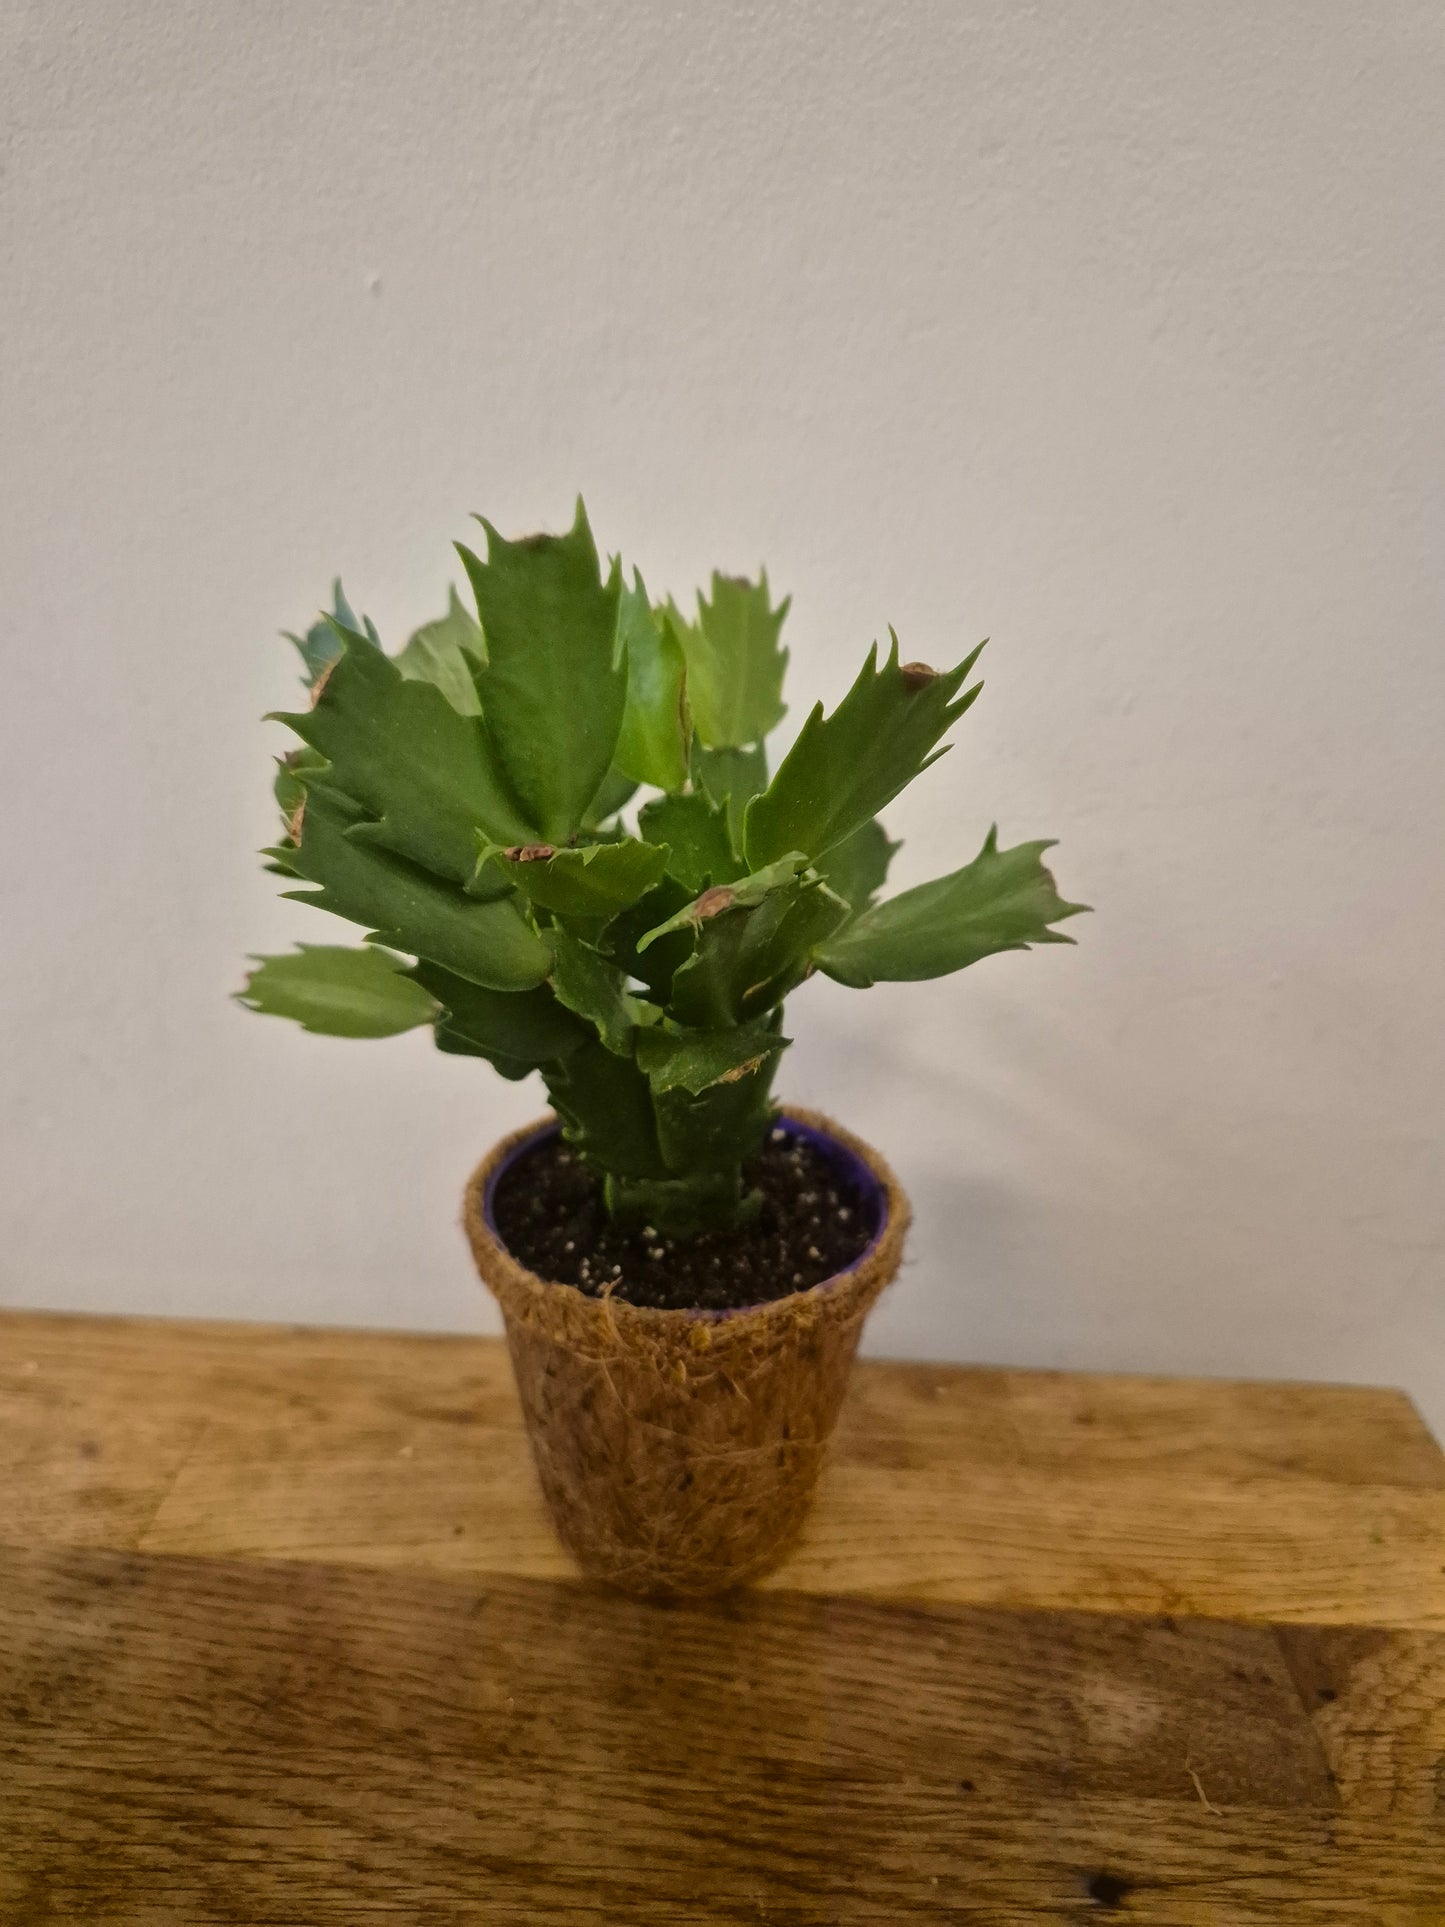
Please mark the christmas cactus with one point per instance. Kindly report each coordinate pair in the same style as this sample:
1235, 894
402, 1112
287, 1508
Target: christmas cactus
472, 803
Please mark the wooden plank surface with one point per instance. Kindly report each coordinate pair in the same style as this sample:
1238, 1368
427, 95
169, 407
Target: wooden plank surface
205, 1741
1245, 1501
284, 1639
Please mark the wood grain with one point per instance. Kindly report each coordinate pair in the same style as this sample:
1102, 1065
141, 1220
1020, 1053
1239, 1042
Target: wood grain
284, 1640
1274, 1550
383, 1742
1304, 1503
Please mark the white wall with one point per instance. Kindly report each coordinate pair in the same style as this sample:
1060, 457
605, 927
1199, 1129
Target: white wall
1112, 331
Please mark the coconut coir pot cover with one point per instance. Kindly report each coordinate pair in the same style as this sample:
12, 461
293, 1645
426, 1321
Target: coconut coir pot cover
678, 1450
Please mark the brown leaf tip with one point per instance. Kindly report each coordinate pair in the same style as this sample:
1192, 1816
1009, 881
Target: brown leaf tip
740, 1071
531, 852
713, 902
917, 675
318, 688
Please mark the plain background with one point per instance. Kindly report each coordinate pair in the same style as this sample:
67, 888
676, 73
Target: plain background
1114, 332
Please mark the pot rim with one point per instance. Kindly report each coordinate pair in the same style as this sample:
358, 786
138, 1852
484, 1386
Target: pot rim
868, 1172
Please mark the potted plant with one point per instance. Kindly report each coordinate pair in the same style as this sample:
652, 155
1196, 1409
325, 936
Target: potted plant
683, 1268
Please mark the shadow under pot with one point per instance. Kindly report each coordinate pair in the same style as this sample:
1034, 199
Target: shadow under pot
679, 1449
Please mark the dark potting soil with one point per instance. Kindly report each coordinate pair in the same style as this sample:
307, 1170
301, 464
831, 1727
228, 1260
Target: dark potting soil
812, 1221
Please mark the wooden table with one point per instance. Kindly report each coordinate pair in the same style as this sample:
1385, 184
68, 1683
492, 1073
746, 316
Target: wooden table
284, 1639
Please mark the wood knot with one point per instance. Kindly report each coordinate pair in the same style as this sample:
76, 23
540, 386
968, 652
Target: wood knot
1109, 1889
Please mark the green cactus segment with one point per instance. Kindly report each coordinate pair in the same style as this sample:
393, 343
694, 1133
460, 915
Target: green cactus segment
596, 880
596, 990
753, 942
676, 1058
1003, 900
846, 767
694, 831
747, 962
516, 1031
622, 939
735, 665
652, 743
338, 991
448, 653
554, 685
731, 778
746, 894
426, 775
321, 644
605, 1104
292, 772
710, 1200
490, 944
857, 868
710, 1119
722, 1125
616, 792
682, 1148
609, 1113
462, 802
